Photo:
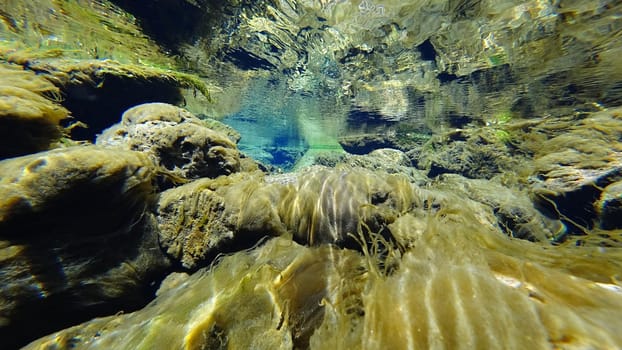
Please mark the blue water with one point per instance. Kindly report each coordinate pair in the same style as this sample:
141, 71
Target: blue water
272, 139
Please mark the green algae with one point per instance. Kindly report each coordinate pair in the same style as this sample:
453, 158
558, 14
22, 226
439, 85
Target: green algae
75, 35
78, 29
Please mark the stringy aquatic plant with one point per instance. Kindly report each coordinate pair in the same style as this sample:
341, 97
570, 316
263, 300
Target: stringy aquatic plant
446, 278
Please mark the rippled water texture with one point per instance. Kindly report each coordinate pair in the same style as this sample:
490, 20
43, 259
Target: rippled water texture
395, 66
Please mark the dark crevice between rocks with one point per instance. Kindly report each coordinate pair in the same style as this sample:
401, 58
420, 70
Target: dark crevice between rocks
246, 60
445, 77
574, 209
19, 137
100, 104
428, 53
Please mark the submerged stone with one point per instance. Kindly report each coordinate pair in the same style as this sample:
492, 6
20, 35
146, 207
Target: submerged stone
76, 238
609, 207
98, 91
476, 153
513, 208
582, 156
177, 141
455, 283
318, 205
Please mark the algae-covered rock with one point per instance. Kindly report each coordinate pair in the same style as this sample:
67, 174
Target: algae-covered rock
268, 298
53, 181
334, 206
76, 238
457, 284
206, 217
29, 112
97, 55
609, 207
477, 153
317, 205
391, 161
177, 141
98, 91
580, 156
76, 29
513, 208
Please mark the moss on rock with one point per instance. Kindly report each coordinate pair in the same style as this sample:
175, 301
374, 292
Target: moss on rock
30, 112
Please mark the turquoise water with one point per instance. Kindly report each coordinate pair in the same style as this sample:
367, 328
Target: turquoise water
269, 125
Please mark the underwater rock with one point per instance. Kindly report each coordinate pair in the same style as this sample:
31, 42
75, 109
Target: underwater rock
391, 161
581, 156
268, 298
516, 215
76, 239
29, 112
178, 142
455, 284
98, 91
316, 205
222, 128
478, 153
609, 207
363, 144
207, 217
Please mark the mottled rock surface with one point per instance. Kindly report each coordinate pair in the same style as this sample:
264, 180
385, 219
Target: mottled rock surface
513, 208
391, 161
477, 153
177, 141
76, 238
387, 160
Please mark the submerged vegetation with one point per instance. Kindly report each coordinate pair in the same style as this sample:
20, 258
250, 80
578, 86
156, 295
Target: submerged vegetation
455, 282
450, 175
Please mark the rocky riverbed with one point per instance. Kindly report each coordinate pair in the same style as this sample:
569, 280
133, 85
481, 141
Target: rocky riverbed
129, 219
305, 258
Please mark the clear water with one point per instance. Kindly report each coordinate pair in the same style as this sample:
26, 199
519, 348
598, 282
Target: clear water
279, 126
297, 78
